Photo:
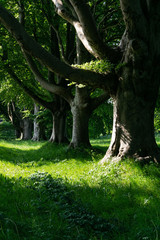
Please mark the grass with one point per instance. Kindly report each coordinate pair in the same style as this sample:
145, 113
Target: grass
50, 193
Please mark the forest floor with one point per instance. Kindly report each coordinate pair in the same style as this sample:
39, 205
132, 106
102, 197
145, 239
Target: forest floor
51, 193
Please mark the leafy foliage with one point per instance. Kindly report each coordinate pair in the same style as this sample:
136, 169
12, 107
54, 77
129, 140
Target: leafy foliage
100, 66
108, 17
101, 120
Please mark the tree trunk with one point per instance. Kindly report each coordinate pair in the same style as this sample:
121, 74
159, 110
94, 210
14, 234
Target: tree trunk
36, 127
80, 106
59, 134
133, 130
59, 128
134, 104
81, 114
27, 129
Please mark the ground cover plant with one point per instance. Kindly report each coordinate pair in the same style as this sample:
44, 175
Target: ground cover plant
48, 192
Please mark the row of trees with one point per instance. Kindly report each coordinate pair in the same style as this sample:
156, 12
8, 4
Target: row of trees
60, 97
130, 75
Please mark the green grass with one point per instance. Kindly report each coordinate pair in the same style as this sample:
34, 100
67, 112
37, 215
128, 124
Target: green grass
50, 193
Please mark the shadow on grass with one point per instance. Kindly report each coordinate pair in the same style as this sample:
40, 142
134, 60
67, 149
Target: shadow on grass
45, 208
26, 215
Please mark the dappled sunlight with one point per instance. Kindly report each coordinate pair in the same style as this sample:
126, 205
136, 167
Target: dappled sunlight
18, 144
70, 169
103, 142
11, 170
41, 153
18, 159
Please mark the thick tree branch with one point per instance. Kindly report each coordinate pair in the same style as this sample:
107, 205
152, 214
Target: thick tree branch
62, 11
135, 18
35, 97
89, 27
55, 28
38, 76
58, 90
86, 29
30, 46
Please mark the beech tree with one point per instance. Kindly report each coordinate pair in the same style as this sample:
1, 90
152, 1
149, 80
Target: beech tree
133, 82
56, 105
82, 105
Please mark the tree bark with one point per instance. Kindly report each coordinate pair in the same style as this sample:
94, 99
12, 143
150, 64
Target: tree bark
81, 114
36, 126
27, 129
59, 129
80, 106
59, 134
133, 130
134, 104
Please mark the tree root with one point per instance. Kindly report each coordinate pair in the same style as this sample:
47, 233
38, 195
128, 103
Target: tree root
154, 158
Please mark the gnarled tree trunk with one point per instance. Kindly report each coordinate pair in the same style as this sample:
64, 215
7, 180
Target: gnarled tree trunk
133, 130
134, 104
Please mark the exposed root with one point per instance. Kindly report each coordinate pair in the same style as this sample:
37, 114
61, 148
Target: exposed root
108, 158
154, 158
147, 159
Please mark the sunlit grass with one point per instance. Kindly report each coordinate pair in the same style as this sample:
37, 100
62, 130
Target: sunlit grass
23, 158
18, 144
